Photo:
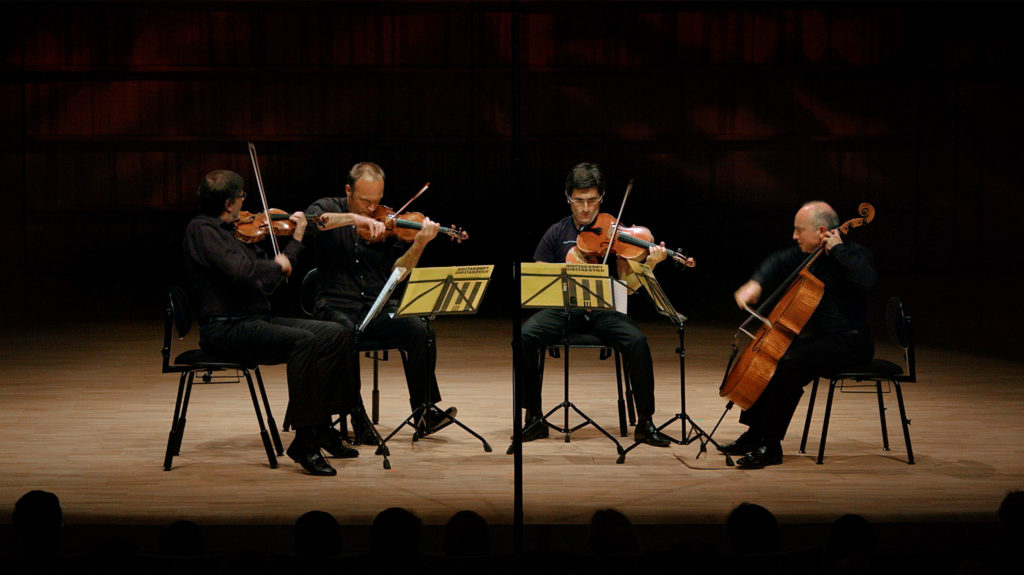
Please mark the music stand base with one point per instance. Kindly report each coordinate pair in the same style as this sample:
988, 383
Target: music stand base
565, 429
419, 413
694, 434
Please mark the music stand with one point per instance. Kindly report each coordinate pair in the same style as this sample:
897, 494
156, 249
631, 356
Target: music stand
664, 307
440, 291
396, 277
569, 287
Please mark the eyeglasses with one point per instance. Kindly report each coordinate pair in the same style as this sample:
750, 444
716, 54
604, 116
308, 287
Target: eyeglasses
585, 201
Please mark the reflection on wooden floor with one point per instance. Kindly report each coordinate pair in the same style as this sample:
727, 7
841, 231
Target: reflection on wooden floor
86, 414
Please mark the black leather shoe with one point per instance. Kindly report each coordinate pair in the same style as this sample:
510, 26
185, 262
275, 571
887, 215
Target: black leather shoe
361, 432
309, 458
769, 454
645, 432
335, 445
534, 428
743, 445
436, 420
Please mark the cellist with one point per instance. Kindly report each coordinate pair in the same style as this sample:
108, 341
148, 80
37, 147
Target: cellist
836, 337
584, 192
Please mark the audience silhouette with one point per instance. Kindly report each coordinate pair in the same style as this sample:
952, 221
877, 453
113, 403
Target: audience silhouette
752, 529
395, 533
850, 539
317, 534
466, 535
754, 538
611, 533
38, 521
182, 539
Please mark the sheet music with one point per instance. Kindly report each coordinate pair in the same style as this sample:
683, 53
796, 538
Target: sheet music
620, 295
397, 275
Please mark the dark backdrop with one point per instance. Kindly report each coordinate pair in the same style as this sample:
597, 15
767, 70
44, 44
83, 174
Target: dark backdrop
726, 115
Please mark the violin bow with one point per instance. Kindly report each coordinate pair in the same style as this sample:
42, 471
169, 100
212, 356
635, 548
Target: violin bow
402, 209
618, 220
263, 197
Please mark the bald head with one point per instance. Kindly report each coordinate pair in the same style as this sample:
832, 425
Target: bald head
812, 220
821, 214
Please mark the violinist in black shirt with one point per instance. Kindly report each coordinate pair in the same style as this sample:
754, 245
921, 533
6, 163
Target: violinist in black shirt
836, 337
353, 269
229, 280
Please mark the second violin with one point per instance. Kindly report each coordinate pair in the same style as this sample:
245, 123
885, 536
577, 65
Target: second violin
406, 226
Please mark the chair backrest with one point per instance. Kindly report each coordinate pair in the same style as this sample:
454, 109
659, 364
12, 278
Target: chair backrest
179, 311
178, 318
900, 330
307, 295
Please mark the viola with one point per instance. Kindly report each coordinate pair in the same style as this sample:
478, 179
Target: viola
797, 299
251, 228
631, 243
406, 226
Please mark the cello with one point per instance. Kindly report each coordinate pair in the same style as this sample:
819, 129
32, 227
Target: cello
797, 299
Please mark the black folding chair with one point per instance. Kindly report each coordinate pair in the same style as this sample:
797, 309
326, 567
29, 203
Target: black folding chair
194, 361
899, 328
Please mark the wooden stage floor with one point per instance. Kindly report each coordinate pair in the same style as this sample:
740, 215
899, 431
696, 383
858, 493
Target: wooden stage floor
86, 412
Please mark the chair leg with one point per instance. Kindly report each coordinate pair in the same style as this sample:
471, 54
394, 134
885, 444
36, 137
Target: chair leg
566, 392
905, 421
259, 417
807, 421
174, 437
274, 435
630, 406
824, 426
623, 432
375, 399
881, 415
182, 420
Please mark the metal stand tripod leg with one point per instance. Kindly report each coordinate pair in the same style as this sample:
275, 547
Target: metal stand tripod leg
566, 405
695, 432
707, 437
419, 414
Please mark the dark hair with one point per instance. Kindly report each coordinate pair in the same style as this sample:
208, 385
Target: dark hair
317, 533
1011, 514
218, 187
752, 529
612, 533
182, 539
584, 175
38, 519
365, 170
395, 532
467, 534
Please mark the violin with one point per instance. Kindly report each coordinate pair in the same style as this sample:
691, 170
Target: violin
406, 226
251, 228
632, 243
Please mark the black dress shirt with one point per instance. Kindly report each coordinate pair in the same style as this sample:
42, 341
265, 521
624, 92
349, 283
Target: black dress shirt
848, 272
352, 270
228, 277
